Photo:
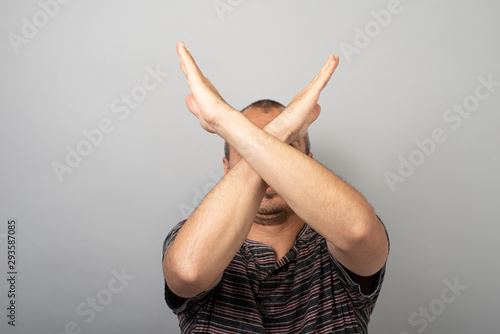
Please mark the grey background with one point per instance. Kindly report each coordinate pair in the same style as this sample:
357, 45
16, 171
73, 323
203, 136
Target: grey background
112, 212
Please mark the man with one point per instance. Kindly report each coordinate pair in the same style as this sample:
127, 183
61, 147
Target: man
281, 244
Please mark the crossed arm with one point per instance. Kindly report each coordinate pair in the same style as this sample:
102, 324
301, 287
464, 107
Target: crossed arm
216, 230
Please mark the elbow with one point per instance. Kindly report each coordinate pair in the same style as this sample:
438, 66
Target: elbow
357, 237
366, 231
183, 279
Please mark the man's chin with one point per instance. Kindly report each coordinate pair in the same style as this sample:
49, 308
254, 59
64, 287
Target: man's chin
269, 215
273, 215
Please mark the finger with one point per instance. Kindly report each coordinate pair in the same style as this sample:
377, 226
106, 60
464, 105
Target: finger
323, 75
188, 64
178, 49
313, 90
321, 80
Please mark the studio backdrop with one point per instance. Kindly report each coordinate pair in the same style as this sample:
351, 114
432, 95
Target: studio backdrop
100, 157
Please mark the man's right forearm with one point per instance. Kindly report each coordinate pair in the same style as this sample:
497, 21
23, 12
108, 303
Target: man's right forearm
214, 232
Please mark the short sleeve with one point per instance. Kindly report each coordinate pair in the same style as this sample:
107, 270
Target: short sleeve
359, 299
175, 303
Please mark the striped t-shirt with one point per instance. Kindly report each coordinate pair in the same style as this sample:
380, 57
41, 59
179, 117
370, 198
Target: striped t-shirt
307, 291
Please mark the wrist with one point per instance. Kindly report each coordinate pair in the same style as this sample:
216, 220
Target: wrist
278, 129
223, 120
229, 124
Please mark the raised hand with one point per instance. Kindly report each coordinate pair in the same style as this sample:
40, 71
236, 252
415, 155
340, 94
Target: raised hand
209, 107
205, 102
303, 109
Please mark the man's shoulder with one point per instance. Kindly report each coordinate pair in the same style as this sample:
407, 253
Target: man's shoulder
172, 234
308, 236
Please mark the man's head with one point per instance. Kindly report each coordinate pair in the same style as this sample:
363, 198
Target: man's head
273, 209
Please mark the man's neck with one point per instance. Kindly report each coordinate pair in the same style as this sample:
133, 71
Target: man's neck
280, 237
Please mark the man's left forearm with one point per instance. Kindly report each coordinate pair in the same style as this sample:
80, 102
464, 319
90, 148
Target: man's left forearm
327, 203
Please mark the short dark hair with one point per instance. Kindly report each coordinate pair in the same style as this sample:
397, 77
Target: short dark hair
266, 105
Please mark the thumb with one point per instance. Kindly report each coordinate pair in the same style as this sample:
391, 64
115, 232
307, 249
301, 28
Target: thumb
192, 105
314, 114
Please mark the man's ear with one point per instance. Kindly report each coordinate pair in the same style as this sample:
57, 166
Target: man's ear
310, 154
225, 162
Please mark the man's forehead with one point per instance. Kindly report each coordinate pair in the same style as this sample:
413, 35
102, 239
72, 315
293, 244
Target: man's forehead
260, 116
